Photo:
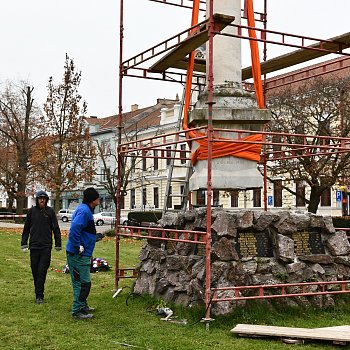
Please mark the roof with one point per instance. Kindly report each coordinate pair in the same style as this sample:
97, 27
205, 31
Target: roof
138, 119
334, 68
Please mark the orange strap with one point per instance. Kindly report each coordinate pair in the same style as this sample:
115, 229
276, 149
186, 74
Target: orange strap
254, 51
250, 151
224, 149
189, 76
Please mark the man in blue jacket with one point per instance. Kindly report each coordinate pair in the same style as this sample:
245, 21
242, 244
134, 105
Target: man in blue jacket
80, 246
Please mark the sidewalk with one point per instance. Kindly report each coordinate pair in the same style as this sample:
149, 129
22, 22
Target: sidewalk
10, 225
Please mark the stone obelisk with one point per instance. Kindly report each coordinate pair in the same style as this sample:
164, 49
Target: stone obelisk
234, 108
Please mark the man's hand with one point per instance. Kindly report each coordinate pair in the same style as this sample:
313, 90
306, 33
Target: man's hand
81, 249
58, 249
24, 248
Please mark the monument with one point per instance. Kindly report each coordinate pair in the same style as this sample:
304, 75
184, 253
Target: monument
233, 108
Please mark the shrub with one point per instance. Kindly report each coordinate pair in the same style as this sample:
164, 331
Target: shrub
109, 233
341, 221
140, 217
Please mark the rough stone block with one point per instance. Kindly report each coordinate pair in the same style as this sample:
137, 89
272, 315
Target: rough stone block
338, 243
285, 248
225, 250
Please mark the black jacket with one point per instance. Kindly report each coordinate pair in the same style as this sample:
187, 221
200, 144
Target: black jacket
39, 225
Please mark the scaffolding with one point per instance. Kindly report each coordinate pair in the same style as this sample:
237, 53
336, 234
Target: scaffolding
174, 58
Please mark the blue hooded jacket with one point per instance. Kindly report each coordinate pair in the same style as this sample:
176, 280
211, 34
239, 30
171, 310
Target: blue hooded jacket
82, 231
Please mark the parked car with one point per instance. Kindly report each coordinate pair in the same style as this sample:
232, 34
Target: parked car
65, 215
107, 217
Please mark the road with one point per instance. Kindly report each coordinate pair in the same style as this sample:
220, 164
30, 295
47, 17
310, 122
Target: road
64, 226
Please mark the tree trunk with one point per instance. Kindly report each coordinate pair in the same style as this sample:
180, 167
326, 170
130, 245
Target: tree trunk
315, 197
21, 201
10, 203
23, 156
57, 201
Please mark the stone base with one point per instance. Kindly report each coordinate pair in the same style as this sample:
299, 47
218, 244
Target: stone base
248, 248
228, 173
232, 105
234, 109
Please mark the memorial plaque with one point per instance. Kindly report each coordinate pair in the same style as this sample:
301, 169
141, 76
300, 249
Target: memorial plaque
264, 244
308, 242
254, 244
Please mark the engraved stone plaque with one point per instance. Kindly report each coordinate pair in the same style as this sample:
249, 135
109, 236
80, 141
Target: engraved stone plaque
254, 244
308, 242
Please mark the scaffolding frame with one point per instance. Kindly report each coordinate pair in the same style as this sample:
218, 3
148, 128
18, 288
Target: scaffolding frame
339, 145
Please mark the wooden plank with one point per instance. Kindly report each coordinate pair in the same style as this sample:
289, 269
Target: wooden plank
337, 328
269, 66
190, 44
290, 332
298, 56
199, 65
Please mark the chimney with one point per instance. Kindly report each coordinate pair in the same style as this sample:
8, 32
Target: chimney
134, 107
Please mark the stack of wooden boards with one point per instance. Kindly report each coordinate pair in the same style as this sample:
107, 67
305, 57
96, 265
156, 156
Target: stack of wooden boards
338, 334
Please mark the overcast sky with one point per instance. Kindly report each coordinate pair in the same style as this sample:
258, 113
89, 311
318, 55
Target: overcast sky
37, 34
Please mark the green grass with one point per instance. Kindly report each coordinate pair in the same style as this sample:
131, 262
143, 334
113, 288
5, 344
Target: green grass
25, 325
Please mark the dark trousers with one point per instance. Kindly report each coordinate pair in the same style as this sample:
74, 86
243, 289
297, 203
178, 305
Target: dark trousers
39, 263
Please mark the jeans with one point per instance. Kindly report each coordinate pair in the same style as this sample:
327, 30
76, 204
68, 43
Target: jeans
39, 262
79, 269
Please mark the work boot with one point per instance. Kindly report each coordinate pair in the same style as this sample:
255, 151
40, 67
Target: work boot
87, 309
81, 316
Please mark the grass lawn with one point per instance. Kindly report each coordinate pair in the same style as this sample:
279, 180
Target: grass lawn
25, 325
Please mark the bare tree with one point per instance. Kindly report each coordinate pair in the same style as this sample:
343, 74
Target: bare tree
21, 123
135, 169
321, 108
8, 171
66, 156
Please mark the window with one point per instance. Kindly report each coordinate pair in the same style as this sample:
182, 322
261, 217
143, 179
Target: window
144, 161
155, 160
168, 155
132, 198
133, 163
277, 193
105, 174
300, 191
170, 198
144, 197
234, 198
122, 202
216, 197
256, 197
183, 154
105, 147
326, 198
156, 197
200, 197
182, 189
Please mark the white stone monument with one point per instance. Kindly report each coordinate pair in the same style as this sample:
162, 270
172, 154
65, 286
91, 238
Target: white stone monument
233, 109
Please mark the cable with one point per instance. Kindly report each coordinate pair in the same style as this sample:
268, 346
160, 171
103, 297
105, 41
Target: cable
205, 311
148, 308
132, 294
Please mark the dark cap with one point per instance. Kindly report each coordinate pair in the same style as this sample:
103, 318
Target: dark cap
41, 193
89, 195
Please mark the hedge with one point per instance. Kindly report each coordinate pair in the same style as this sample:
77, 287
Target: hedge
341, 221
12, 211
144, 216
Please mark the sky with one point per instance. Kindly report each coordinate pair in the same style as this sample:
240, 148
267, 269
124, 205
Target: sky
37, 34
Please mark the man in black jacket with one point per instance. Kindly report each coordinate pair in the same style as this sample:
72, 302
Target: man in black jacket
41, 221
